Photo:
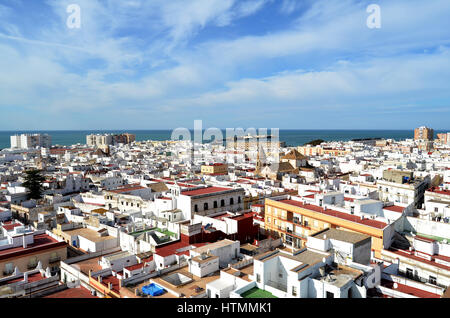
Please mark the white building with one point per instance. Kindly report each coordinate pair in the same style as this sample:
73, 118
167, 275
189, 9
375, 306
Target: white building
27, 141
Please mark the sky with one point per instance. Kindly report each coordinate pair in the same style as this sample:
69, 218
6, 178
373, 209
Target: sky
288, 64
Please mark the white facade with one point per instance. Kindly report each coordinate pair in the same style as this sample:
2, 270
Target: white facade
27, 141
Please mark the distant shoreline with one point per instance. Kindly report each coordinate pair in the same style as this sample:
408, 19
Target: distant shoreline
292, 137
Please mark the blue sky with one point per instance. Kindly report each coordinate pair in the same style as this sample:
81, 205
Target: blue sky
157, 64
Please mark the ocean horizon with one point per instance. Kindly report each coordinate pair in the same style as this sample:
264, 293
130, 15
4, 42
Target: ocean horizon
292, 137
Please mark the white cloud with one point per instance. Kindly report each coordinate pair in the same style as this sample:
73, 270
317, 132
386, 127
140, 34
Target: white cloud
343, 63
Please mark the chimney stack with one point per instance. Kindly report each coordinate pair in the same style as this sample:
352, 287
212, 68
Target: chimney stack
24, 241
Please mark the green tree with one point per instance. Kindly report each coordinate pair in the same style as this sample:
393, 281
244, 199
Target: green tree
314, 142
33, 182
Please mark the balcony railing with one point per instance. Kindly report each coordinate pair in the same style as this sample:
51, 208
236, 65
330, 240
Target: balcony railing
278, 285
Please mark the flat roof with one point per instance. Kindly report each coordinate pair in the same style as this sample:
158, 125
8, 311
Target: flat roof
341, 235
88, 234
118, 255
78, 292
212, 246
305, 257
208, 190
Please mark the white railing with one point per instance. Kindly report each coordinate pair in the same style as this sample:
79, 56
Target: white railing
277, 285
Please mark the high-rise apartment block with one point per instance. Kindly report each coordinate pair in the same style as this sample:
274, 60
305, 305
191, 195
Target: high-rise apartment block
444, 138
423, 133
27, 141
98, 140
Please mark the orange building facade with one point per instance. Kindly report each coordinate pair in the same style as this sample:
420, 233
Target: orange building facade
293, 221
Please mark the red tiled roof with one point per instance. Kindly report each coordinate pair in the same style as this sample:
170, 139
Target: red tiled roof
131, 187
341, 215
394, 208
134, 267
438, 190
409, 254
425, 239
113, 280
79, 292
31, 278
41, 242
172, 248
11, 227
442, 257
408, 289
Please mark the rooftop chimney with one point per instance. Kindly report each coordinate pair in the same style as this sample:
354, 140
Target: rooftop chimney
25, 277
24, 241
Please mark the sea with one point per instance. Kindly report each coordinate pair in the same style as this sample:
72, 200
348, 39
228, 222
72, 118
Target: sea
292, 137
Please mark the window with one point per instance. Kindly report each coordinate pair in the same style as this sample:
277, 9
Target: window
436, 209
258, 278
432, 280
239, 199
215, 204
231, 201
205, 206
196, 208
330, 294
222, 202
409, 273
294, 291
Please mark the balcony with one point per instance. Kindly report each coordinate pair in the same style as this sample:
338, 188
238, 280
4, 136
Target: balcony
277, 285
